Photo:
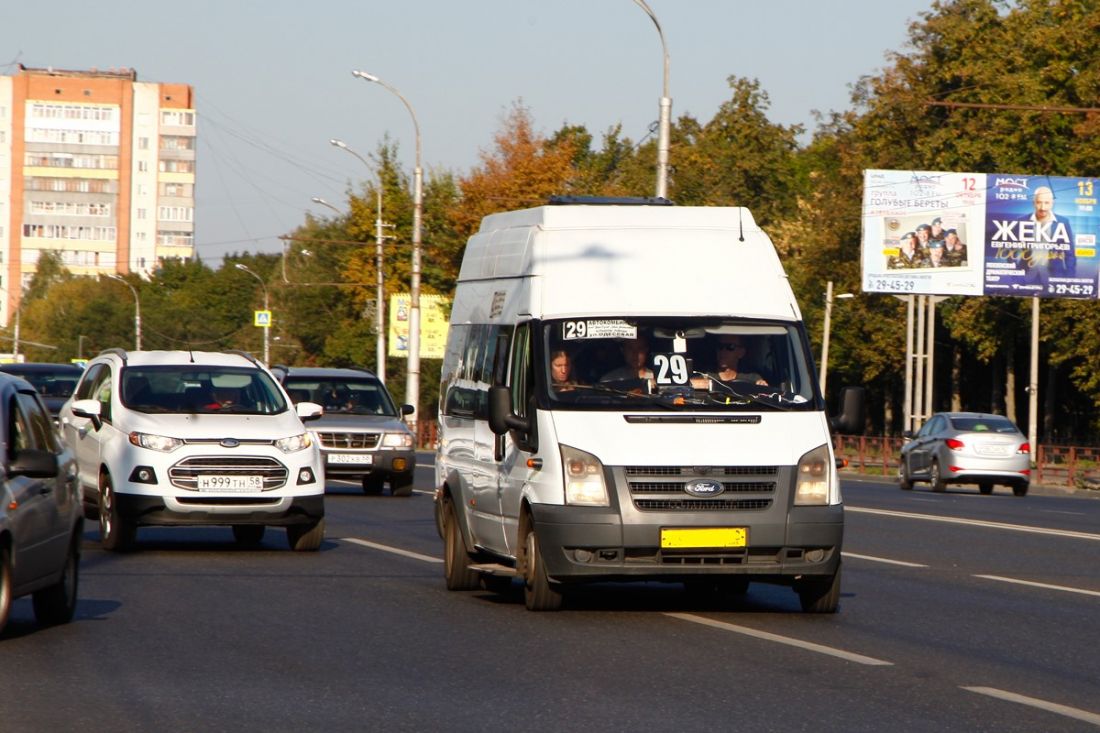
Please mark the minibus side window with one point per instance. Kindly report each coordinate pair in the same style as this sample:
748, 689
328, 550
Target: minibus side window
522, 382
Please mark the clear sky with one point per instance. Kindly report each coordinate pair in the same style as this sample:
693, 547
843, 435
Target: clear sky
273, 79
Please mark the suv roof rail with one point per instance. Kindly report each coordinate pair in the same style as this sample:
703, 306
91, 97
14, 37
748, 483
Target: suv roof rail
119, 352
245, 354
609, 201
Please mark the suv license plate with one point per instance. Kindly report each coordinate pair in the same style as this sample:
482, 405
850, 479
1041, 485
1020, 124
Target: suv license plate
361, 458
231, 483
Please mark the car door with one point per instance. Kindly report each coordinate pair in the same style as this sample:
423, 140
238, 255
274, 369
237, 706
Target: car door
80, 433
920, 454
33, 509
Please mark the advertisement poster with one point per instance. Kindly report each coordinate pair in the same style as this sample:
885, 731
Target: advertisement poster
944, 233
435, 314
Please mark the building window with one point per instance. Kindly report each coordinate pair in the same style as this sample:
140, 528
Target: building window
143, 143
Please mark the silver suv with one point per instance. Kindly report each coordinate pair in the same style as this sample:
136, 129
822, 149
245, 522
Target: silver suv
361, 434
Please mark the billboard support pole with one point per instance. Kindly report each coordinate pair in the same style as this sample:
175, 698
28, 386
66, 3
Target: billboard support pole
1033, 383
918, 367
908, 362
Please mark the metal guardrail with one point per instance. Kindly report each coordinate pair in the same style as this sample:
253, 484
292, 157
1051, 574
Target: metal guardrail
1052, 465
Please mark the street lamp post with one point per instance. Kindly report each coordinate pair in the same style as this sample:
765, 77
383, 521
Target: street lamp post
379, 283
137, 310
412, 383
665, 111
267, 328
829, 297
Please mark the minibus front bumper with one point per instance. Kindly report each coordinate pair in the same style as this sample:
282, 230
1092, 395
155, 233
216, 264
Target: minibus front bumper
584, 544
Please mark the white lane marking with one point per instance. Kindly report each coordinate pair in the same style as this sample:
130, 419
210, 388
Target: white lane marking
978, 523
394, 550
1047, 586
1035, 702
1055, 511
883, 559
807, 645
425, 492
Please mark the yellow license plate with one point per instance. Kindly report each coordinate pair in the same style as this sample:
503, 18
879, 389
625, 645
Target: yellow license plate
703, 537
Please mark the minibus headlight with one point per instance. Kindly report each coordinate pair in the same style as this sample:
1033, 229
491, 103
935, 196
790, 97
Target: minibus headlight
583, 476
814, 476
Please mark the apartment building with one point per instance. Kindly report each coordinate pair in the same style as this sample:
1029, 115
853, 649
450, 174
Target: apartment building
96, 166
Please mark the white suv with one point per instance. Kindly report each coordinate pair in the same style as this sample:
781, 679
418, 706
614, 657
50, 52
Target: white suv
193, 438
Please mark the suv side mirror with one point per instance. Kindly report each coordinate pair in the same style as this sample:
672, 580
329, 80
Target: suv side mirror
501, 417
89, 409
308, 411
852, 404
407, 409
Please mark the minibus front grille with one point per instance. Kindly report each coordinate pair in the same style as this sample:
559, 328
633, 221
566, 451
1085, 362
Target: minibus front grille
701, 471
670, 488
701, 505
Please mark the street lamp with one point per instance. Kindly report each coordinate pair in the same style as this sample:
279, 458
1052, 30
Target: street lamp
267, 328
412, 384
829, 297
665, 111
322, 202
379, 284
137, 310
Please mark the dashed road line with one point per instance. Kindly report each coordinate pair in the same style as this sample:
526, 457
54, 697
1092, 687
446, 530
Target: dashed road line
978, 523
1035, 702
807, 645
394, 550
1046, 586
883, 560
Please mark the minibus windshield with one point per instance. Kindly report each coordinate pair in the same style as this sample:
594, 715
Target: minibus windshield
676, 363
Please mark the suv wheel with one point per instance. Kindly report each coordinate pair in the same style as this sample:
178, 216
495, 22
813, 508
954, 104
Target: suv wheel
306, 537
115, 533
401, 484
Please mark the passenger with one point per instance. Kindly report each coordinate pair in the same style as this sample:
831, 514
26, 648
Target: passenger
731, 348
636, 355
561, 371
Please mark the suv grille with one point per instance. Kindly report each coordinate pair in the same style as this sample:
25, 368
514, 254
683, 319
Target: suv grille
661, 488
349, 440
185, 474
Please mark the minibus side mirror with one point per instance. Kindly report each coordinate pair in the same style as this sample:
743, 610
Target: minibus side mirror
501, 417
852, 404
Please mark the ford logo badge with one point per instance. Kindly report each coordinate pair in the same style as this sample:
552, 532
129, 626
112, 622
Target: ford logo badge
704, 488
229, 443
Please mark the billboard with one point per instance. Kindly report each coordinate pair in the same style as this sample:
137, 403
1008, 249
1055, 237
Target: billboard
435, 314
942, 233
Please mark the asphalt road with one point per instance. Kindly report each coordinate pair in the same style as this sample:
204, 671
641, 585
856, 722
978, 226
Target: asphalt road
959, 612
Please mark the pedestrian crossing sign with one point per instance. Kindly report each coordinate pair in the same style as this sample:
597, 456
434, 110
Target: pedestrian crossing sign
262, 319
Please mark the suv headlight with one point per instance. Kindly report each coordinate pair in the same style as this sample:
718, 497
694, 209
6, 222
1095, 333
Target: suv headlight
294, 443
814, 478
161, 443
583, 475
397, 440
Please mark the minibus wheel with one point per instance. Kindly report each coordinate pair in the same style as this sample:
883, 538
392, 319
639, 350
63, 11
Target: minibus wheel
538, 594
820, 595
456, 560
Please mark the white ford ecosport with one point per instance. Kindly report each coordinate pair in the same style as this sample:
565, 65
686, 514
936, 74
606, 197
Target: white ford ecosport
193, 438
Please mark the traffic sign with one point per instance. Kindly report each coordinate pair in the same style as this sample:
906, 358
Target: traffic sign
262, 319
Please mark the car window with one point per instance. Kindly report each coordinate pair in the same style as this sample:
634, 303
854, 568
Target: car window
19, 429
991, 424
37, 418
91, 379
196, 388
339, 394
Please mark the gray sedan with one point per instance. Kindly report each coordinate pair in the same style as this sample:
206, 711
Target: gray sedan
967, 448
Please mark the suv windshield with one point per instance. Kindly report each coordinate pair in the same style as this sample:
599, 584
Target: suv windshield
676, 363
200, 389
348, 395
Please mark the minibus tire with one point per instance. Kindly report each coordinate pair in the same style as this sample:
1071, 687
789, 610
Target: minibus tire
538, 594
456, 560
820, 596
